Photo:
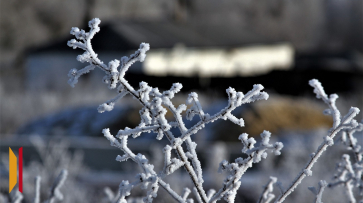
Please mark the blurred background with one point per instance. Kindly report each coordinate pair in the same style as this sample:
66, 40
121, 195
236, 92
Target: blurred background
207, 46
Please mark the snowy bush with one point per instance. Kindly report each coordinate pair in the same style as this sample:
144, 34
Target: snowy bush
154, 106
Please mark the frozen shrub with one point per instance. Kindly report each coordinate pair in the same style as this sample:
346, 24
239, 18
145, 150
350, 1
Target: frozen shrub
152, 119
154, 106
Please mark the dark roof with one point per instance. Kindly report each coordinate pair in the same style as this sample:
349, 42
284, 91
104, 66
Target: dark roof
106, 40
127, 35
167, 34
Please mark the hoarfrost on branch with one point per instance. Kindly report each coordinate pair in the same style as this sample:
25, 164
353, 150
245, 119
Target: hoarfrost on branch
155, 104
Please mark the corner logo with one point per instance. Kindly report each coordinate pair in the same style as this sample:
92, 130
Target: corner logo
13, 170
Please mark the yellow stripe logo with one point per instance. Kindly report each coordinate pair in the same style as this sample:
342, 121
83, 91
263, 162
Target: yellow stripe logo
12, 170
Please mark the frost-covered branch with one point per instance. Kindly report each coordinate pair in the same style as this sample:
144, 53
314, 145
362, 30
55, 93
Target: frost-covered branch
37, 190
267, 194
237, 169
210, 193
83, 41
170, 165
108, 106
236, 99
55, 193
351, 142
17, 197
148, 177
110, 196
340, 123
318, 192
152, 115
349, 176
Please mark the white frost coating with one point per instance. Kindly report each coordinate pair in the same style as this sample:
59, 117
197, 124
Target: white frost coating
196, 108
17, 197
105, 107
55, 193
173, 90
37, 190
152, 119
222, 166
152, 114
74, 74
349, 176
231, 195
167, 156
152, 193
173, 166
329, 141
124, 189
255, 94
113, 76
353, 112
144, 91
210, 193
107, 134
194, 158
185, 194
109, 194
237, 169
318, 88
278, 146
147, 168
122, 158
190, 200
319, 193
127, 131
347, 122
235, 100
199, 199
308, 172
112, 66
139, 55
320, 94
235, 120
145, 116
248, 143
267, 194
109, 105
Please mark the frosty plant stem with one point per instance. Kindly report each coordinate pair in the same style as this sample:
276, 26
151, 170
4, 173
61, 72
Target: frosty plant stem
319, 192
349, 174
153, 119
339, 123
267, 194
152, 115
